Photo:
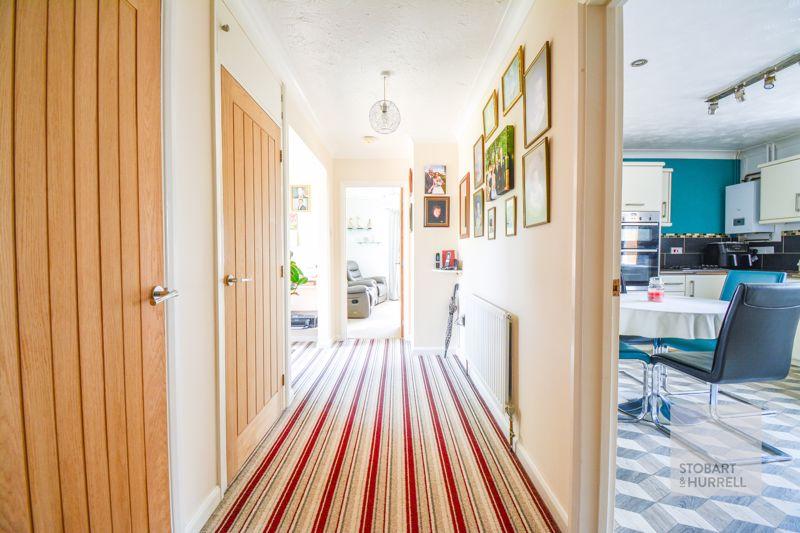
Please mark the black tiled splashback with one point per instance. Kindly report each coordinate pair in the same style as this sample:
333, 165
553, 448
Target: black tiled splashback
786, 256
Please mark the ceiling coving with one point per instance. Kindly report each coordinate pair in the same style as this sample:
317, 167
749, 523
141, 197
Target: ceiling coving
384, 117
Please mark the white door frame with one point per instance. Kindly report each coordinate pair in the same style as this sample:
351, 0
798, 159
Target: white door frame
597, 310
342, 230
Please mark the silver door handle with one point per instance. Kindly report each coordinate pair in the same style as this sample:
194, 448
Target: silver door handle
691, 285
634, 204
797, 202
160, 294
231, 280
663, 209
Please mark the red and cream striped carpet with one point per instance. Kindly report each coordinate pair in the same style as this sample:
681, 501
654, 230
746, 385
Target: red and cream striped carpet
379, 440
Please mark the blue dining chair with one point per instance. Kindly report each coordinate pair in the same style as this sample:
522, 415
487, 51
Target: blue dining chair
732, 280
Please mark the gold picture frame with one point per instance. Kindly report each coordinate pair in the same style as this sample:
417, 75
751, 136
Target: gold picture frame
508, 73
536, 68
495, 119
431, 220
301, 198
530, 220
463, 207
478, 208
511, 216
477, 169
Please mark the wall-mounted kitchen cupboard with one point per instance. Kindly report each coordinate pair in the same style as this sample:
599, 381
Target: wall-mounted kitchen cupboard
666, 197
641, 186
780, 191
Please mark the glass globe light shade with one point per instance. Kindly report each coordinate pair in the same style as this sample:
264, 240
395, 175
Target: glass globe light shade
384, 117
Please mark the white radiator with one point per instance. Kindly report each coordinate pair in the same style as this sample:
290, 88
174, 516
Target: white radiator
487, 351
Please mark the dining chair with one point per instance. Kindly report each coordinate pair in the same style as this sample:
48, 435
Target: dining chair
732, 280
754, 345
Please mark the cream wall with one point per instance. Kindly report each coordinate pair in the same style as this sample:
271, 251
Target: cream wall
532, 275
432, 290
193, 48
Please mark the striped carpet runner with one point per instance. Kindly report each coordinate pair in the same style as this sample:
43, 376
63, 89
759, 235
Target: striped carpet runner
378, 440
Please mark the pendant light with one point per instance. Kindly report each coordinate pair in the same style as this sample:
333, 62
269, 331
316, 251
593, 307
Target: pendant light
384, 117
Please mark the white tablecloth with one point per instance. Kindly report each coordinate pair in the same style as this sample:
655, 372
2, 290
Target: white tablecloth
676, 316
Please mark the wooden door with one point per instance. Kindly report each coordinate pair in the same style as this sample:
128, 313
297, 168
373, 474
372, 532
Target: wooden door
254, 284
83, 434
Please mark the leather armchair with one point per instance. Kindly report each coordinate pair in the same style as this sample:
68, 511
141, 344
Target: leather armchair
354, 278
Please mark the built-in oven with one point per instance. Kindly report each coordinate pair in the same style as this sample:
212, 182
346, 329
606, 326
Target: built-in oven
641, 242
641, 230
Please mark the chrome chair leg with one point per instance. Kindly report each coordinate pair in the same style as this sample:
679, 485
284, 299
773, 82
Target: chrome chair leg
624, 416
774, 454
764, 410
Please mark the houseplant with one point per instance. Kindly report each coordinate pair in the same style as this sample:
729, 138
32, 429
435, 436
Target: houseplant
296, 278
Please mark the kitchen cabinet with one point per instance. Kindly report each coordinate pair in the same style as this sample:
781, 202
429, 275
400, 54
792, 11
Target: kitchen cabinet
780, 191
666, 197
694, 285
641, 186
704, 285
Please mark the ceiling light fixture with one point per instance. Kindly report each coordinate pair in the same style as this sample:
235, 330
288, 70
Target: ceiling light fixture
767, 76
769, 81
712, 107
369, 139
739, 94
384, 117
639, 62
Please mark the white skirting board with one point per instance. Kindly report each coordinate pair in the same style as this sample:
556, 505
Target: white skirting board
204, 511
559, 513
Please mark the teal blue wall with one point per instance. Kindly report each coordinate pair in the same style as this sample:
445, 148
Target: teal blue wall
698, 193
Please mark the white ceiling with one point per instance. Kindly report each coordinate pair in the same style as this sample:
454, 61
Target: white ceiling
696, 48
337, 49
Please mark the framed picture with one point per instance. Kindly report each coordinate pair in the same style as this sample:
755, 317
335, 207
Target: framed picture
499, 164
436, 179
477, 163
437, 211
293, 221
411, 217
511, 81
536, 185
410, 182
490, 116
463, 207
491, 223
301, 197
536, 96
511, 216
477, 213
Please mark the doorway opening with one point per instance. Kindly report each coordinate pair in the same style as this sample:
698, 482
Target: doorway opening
374, 268
706, 437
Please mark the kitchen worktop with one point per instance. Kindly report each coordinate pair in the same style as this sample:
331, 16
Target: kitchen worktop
712, 272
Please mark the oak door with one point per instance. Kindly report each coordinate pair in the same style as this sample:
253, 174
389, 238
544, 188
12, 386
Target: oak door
254, 285
83, 431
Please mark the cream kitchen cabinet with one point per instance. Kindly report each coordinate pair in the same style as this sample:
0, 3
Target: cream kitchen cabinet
704, 285
666, 197
780, 191
674, 283
641, 186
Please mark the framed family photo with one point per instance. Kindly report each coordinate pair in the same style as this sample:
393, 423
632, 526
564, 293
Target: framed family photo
536, 185
491, 223
499, 164
435, 179
477, 213
301, 197
511, 80
536, 99
490, 116
463, 207
477, 163
437, 211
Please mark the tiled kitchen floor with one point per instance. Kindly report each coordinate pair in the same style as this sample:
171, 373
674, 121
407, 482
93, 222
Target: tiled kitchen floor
644, 501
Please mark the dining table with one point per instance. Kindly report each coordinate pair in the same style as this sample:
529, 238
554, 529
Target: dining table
685, 317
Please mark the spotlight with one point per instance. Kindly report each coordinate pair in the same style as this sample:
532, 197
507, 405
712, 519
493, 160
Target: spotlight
712, 107
739, 93
769, 80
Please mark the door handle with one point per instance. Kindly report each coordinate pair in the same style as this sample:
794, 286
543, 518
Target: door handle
635, 204
691, 287
231, 280
160, 294
663, 209
797, 202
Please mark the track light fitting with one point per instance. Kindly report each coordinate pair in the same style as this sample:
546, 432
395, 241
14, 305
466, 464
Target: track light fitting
767, 76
